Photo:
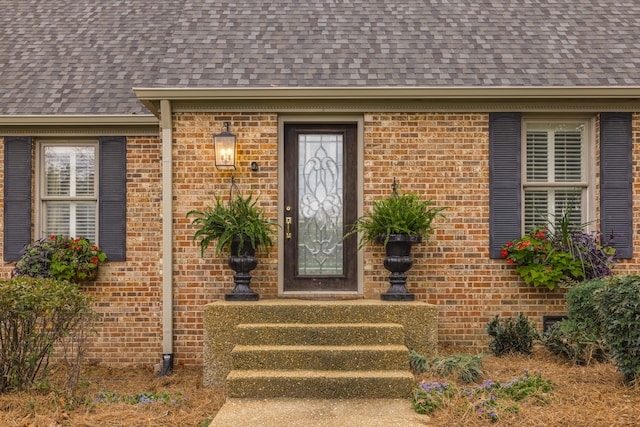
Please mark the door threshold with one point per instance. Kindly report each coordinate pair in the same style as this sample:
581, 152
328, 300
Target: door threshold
328, 296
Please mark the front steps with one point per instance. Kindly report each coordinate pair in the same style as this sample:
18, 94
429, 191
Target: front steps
315, 349
320, 361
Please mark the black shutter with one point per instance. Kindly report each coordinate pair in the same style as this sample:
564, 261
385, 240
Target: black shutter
616, 205
504, 180
112, 209
17, 195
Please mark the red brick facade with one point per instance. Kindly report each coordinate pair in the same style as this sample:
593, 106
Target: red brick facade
443, 156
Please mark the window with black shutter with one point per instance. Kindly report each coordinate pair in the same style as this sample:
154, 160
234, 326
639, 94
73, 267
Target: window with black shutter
82, 192
540, 168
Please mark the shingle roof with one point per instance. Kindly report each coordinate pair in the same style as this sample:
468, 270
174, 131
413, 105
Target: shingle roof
83, 57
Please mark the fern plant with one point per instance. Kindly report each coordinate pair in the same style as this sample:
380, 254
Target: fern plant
241, 218
398, 213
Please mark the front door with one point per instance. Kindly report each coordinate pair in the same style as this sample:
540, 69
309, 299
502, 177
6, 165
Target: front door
320, 201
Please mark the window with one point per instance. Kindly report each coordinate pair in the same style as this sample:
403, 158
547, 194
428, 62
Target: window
507, 179
556, 175
69, 193
85, 193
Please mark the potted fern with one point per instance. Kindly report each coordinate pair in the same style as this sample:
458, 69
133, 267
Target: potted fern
397, 222
241, 227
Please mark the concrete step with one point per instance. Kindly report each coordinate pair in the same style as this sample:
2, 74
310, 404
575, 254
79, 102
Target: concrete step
319, 360
297, 319
325, 357
319, 384
321, 333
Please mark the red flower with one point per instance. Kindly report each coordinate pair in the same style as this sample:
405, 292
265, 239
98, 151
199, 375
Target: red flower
95, 260
509, 261
504, 253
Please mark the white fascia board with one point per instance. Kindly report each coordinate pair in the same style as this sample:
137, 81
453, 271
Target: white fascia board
77, 120
310, 93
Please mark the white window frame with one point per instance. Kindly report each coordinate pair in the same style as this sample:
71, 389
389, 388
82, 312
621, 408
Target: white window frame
588, 182
41, 197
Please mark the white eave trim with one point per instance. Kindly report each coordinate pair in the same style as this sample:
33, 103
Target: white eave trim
293, 93
390, 99
79, 125
78, 120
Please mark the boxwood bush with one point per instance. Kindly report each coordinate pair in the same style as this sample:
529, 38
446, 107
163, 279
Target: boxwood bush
619, 307
579, 337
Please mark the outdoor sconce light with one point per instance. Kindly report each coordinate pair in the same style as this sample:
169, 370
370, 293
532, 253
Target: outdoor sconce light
224, 145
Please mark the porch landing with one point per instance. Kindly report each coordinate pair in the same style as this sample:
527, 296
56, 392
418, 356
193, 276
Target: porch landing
339, 323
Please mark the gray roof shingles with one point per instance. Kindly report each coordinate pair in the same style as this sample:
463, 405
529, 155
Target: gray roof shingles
83, 57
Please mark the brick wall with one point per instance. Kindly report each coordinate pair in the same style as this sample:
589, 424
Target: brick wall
444, 156
200, 280
128, 294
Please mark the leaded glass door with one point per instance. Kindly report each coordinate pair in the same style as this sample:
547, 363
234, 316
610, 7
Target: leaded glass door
320, 204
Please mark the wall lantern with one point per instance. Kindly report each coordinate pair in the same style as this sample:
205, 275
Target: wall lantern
224, 145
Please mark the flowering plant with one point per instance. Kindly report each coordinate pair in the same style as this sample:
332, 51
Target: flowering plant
59, 257
543, 258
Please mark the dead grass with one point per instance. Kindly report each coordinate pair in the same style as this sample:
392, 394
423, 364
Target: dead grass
583, 396
50, 409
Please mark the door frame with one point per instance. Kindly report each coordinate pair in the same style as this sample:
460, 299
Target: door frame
283, 119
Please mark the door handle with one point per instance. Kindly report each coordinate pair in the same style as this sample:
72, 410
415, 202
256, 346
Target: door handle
287, 233
287, 221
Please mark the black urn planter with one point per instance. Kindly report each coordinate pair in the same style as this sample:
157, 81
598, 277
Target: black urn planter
242, 261
398, 261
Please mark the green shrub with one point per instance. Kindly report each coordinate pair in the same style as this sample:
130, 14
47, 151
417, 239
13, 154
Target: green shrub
488, 401
579, 337
578, 344
418, 363
619, 305
34, 314
581, 306
466, 368
511, 335
430, 396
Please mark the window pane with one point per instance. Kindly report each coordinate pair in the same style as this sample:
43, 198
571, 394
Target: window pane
536, 211
555, 162
75, 219
85, 221
57, 218
537, 157
538, 204
69, 171
568, 156
69, 193
58, 172
85, 166
568, 201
